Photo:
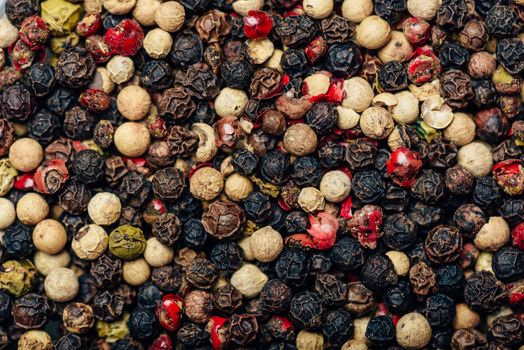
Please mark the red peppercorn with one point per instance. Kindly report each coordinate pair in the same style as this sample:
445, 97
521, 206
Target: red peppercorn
50, 176
34, 32
98, 48
424, 66
257, 24
89, 25
517, 235
403, 166
217, 329
416, 30
323, 230
509, 174
316, 49
169, 312
366, 225
24, 182
163, 342
95, 100
125, 38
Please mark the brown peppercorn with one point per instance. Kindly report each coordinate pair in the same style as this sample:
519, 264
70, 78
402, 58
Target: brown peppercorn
166, 228
224, 219
182, 142
159, 155
243, 329
202, 273
176, 104
360, 300
75, 68
443, 244
459, 180
31, 311
168, 183
212, 25
300, 139
198, 306
167, 278
7, 136
337, 29
360, 153
106, 271
508, 330
201, 82
264, 83
482, 65
474, 35
423, 279
456, 88
61, 148
274, 122
468, 338
78, 318
227, 299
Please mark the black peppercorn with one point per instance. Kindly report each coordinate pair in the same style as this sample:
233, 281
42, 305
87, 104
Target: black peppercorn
332, 291
243, 329
450, 280
40, 77
192, 335
307, 171
168, 183
227, 298
486, 191
380, 330
17, 103
275, 167
390, 10
292, 266
143, 324
193, 234
106, 271
201, 82
294, 62
429, 187
443, 244
167, 278
17, 242
202, 273
306, 310
79, 123
512, 210
396, 199
18, 10
237, 74
502, 21
156, 75
70, 341
453, 56
108, 306
508, 330
245, 162
127, 344
392, 76
187, 50
331, 154
31, 311
337, 327
295, 30
135, 190
440, 310
343, 59
452, 13
400, 231
508, 264
60, 100
227, 256
368, 186
88, 166
483, 292
75, 68
378, 272
510, 53
485, 93
399, 298
44, 127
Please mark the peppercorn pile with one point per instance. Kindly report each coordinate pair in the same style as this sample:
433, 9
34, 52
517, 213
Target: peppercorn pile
261, 174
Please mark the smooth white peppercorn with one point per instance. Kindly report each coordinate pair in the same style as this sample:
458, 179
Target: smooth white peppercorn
359, 94
158, 254
8, 33
484, 262
309, 340
119, 7
300, 139
45, 263
493, 235
32, 208
133, 102
476, 157
376, 123
259, 50
398, 48
61, 284
413, 331
274, 62
26, 154
346, 118
400, 262
407, 108
311, 199
317, 83
373, 33
132, 139
120, 69
242, 7
237, 187
170, 16
7, 213
102, 80
136, 272
230, 102
461, 131
144, 11
357, 10
424, 9
49, 236
318, 9
465, 317
157, 43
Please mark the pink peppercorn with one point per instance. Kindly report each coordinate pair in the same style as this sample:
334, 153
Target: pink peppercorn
257, 24
403, 166
125, 38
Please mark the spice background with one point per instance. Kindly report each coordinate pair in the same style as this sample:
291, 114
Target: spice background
261, 174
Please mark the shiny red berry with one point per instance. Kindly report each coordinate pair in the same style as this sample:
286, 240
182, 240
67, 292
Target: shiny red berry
257, 24
517, 235
163, 342
125, 38
424, 66
316, 49
169, 312
217, 329
416, 30
403, 166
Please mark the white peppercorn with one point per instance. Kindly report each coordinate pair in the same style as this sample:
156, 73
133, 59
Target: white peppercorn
359, 94
400, 262
398, 48
157, 43
144, 11
360, 325
242, 7
35, 340
246, 248
461, 130
318, 9
133, 102
136, 272
119, 7
424, 9
266, 244
476, 157
373, 33
483, 262
465, 317
102, 80
376, 123
249, 280
335, 186
238, 187
357, 10
259, 50
413, 331
311, 199
206, 183
61, 284
407, 109
230, 102
49, 236
120, 69
132, 139
274, 62
346, 118
300, 139
45, 263
493, 235
317, 83
170, 16
158, 254
104, 208
26, 154
8, 33
32, 208
7, 213
309, 340
90, 242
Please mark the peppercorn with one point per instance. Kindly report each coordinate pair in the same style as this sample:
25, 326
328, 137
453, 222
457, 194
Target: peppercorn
413, 331
35, 339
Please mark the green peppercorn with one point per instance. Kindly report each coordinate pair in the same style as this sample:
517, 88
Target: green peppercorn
17, 277
127, 242
113, 331
7, 176
61, 16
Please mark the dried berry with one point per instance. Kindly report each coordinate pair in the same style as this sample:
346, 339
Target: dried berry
483, 292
